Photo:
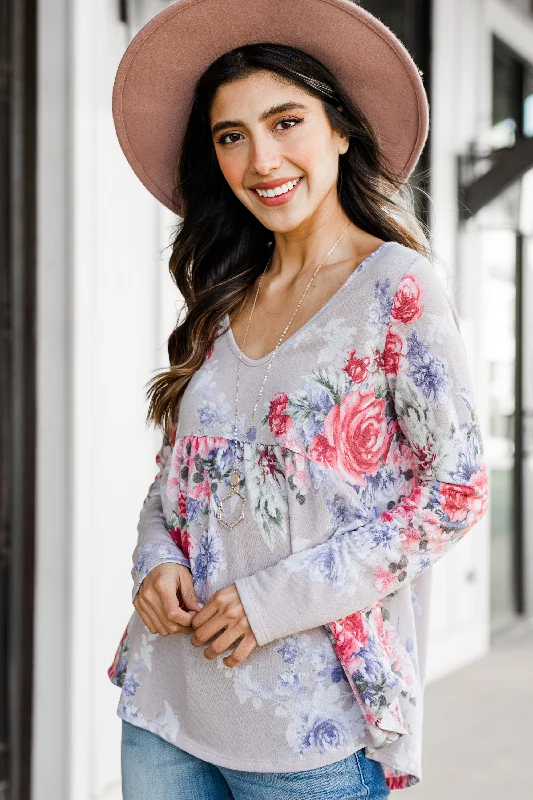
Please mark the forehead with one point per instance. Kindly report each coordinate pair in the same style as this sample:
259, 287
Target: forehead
256, 92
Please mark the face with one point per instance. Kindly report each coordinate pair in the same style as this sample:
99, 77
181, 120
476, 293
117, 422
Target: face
268, 132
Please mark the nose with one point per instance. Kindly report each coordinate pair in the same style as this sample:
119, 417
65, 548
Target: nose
265, 155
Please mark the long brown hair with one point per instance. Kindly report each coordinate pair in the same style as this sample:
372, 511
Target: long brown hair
219, 248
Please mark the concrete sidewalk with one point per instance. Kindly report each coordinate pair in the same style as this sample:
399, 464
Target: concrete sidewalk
478, 732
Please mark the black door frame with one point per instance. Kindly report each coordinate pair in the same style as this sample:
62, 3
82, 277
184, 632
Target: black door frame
18, 89
519, 568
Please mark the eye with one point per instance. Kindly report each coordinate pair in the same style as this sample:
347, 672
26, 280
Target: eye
222, 139
293, 120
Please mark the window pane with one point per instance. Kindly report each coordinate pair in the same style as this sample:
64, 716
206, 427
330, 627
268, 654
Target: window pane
506, 104
528, 102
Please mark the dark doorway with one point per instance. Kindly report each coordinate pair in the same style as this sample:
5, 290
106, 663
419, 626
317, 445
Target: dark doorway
411, 21
17, 389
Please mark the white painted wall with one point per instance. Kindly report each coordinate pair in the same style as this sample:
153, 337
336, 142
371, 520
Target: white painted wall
53, 453
106, 305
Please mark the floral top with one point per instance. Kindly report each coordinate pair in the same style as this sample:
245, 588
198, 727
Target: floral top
364, 467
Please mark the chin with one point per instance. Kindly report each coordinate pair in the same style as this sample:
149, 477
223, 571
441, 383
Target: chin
286, 227
284, 222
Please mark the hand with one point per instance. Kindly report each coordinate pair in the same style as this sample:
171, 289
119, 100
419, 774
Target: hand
158, 600
224, 610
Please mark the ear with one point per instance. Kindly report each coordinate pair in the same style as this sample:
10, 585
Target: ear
344, 144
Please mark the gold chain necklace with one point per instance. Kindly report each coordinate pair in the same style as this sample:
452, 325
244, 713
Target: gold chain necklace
235, 478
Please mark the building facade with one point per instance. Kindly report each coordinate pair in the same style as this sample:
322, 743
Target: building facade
87, 309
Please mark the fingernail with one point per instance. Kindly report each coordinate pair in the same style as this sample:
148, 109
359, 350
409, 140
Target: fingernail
199, 605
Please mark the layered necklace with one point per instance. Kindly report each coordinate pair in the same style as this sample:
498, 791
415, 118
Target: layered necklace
235, 478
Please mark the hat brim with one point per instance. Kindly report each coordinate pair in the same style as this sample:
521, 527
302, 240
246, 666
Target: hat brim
157, 75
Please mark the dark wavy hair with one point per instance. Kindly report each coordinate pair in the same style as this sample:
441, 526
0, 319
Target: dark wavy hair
219, 248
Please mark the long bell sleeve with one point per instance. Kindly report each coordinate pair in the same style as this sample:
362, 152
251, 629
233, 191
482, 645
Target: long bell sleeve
155, 544
423, 420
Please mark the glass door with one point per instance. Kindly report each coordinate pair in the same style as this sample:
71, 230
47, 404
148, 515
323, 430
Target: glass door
498, 253
506, 253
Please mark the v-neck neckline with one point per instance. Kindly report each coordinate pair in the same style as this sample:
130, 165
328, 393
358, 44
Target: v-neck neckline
256, 362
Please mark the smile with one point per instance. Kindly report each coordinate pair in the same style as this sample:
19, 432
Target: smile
281, 194
283, 189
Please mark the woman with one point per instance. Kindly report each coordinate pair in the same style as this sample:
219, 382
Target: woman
320, 447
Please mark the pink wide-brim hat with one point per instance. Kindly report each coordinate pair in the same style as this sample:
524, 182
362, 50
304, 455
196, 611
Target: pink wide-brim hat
157, 75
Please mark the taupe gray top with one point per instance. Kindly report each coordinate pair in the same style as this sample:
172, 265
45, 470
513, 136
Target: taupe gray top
364, 466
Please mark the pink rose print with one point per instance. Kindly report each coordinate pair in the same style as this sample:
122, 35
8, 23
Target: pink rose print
112, 670
410, 538
175, 534
187, 543
172, 487
322, 451
355, 437
459, 501
182, 504
407, 306
453, 501
478, 500
384, 579
406, 509
424, 458
392, 353
402, 456
182, 539
357, 368
350, 636
269, 464
279, 422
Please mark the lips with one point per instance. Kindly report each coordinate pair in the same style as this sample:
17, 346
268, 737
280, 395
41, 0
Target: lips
274, 184
280, 195
281, 189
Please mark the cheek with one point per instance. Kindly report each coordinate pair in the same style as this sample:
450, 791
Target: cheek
305, 154
233, 169
315, 159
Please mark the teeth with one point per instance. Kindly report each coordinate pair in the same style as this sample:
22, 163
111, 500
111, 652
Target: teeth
286, 187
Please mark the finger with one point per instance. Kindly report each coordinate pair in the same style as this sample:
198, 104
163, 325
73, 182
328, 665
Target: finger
173, 627
183, 624
190, 599
207, 612
145, 617
225, 640
163, 601
148, 617
180, 617
241, 652
177, 616
209, 629
160, 624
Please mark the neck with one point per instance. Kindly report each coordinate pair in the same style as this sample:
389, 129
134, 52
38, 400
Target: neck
302, 249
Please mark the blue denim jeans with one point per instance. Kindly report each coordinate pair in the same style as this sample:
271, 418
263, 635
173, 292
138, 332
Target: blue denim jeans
154, 769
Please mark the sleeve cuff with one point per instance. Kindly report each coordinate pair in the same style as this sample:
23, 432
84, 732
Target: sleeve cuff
149, 559
256, 623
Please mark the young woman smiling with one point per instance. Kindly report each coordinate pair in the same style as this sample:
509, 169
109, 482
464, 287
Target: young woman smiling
320, 445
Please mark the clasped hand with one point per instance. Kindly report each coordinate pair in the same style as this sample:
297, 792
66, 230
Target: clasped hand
160, 600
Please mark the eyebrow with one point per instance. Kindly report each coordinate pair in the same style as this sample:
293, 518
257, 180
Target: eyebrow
233, 123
